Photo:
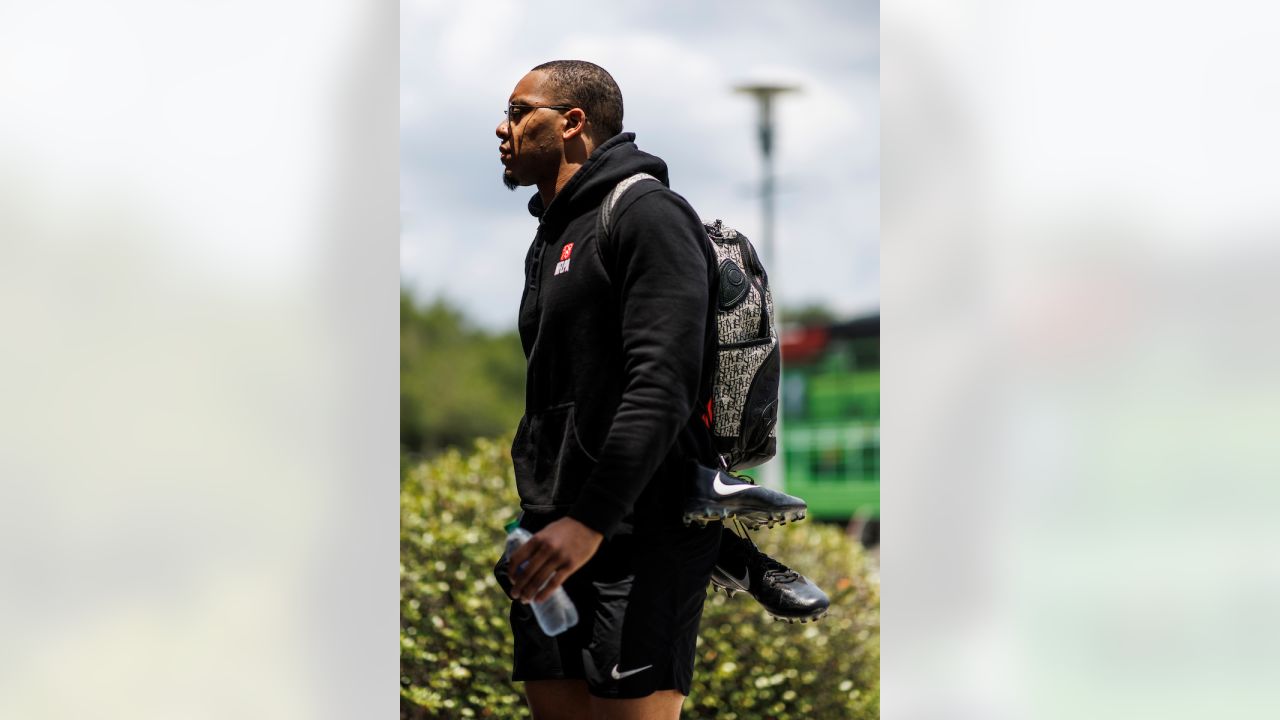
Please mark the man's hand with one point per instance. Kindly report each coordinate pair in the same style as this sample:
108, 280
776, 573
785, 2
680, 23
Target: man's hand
561, 548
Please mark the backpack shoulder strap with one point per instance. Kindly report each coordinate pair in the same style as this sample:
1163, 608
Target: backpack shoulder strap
610, 202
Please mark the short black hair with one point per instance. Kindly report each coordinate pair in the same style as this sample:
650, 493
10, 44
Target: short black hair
589, 87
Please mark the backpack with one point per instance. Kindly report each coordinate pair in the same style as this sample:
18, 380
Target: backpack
743, 412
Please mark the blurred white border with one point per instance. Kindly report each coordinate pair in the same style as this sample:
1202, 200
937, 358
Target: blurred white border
1080, 403
199, 295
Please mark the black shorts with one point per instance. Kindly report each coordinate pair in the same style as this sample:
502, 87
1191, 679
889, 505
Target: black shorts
639, 602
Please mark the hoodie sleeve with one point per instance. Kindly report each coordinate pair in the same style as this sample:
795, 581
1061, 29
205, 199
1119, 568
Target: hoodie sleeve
661, 269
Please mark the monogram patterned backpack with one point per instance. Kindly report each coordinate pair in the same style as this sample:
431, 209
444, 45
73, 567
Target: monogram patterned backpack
743, 414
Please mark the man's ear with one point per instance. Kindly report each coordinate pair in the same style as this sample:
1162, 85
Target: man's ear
575, 123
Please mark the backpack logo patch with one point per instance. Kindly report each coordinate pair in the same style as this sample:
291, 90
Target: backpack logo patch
563, 265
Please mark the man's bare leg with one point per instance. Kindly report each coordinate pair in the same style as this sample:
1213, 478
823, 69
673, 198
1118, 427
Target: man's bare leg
661, 705
558, 699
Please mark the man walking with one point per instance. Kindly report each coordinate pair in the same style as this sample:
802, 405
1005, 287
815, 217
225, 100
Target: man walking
619, 328
619, 332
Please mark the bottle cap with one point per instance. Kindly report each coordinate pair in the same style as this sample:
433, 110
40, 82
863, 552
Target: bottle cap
513, 524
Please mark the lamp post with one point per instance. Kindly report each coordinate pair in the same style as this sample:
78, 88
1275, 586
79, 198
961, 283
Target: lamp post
771, 472
764, 95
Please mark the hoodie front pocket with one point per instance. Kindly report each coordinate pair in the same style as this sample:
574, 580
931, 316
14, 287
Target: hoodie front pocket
551, 464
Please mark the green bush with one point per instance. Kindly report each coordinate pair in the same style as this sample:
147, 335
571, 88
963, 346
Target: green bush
455, 644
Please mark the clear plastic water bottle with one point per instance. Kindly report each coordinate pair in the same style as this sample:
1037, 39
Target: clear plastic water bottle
555, 614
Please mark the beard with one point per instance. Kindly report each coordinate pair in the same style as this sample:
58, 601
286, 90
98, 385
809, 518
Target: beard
509, 180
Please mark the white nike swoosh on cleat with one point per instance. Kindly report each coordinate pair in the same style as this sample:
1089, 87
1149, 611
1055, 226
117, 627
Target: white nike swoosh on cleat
619, 675
725, 489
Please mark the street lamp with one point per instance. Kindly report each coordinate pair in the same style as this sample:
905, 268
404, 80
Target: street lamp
764, 95
770, 472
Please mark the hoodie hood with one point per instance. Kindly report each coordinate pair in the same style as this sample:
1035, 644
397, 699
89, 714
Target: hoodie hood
615, 160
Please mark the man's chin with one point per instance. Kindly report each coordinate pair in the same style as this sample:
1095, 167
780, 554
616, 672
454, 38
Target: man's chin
510, 181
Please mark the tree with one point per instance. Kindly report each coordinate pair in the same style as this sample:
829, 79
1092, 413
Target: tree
457, 382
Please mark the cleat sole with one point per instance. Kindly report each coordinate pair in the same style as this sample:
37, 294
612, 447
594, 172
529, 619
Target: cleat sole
757, 520
706, 515
793, 620
751, 519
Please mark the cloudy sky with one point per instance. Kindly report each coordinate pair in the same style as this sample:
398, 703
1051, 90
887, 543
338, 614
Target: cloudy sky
464, 235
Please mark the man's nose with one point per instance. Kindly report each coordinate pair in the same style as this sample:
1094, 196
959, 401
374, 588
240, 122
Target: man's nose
502, 130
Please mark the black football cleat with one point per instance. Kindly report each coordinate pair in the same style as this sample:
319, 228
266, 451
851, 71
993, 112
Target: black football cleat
717, 495
785, 594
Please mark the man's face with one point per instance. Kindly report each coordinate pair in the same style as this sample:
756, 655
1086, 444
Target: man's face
532, 145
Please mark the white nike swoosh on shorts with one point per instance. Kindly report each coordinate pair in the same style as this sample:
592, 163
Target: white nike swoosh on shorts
724, 489
619, 675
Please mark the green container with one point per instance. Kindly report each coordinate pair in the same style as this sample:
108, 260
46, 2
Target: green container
830, 440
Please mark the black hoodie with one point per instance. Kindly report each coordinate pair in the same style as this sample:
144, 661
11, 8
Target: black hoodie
620, 339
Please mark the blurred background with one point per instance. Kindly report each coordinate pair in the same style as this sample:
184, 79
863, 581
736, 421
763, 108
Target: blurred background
198, 296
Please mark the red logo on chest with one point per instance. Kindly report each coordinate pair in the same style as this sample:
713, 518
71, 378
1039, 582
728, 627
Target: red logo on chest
563, 265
